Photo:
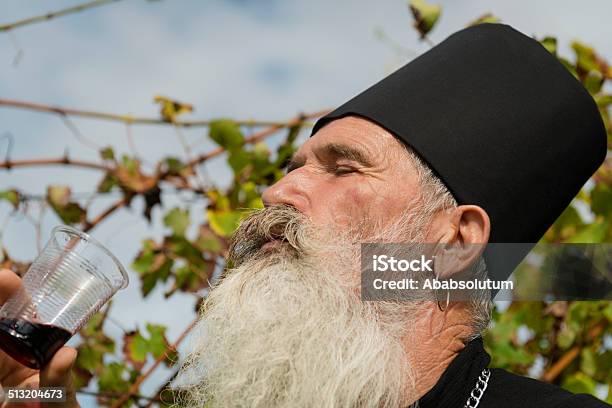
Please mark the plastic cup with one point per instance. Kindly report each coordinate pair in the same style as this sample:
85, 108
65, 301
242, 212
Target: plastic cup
66, 284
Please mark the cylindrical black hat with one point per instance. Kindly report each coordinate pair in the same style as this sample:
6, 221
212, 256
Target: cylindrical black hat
499, 120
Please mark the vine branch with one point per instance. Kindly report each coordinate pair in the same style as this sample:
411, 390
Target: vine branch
54, 14
129, 119
89, 225
256, 137
9, 164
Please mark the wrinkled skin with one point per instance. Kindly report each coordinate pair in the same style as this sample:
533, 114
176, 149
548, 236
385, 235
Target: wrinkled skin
373, 183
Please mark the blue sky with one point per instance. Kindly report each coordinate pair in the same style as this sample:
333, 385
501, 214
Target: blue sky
267, 59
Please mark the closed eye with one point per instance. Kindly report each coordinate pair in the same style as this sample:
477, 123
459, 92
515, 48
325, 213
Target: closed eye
342, 169
293, 164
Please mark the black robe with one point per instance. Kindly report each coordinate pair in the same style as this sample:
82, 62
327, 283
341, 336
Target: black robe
504, 390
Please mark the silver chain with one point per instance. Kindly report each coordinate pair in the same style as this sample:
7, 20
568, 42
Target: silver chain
478, 391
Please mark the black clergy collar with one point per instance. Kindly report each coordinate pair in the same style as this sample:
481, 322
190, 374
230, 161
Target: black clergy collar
454, 386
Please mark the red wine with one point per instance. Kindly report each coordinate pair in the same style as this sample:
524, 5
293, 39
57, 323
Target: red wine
32, 344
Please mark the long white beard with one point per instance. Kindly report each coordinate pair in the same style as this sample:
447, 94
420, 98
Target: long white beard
287, 330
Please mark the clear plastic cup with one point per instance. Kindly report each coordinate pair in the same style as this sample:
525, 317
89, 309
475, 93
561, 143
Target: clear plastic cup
66, 284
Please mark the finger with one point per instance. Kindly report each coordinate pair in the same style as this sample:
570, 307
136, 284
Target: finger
9, 284
58, 372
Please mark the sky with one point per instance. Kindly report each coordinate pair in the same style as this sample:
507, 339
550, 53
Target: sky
266, 59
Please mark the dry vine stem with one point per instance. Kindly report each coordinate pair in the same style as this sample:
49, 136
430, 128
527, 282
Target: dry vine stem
136, 120
54, 14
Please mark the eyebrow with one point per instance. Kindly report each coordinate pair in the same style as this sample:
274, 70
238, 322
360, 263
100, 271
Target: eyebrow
337, 151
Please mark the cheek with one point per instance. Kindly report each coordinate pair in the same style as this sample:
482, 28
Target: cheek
352, 202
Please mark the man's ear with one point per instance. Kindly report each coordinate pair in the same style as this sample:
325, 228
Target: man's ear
465, 232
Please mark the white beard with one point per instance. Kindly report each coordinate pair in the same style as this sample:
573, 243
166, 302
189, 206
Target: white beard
291, 331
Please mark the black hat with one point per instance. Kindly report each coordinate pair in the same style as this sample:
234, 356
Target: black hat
499, 120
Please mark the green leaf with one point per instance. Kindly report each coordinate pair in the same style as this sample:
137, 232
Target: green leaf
112, 378
603, 362
174, 165
139, 348
588, 362
218, 201
182, 276
152, 266
58, 196
191, 277
107, 153
170, 108
485, 18
579, 383
550, 43
157, 343
238, 159
183, 248
59, 199
506, 354
252, 198
12, 196
603, 100
601, 199
72, 214
607, 312
208, 241
531, 315
256, 202
148, 283
593, 82
93, 325
261, 152
108, 182
425, 15
591, 234
223, 222
586, 59
566, 337
144, 260
582, 50
566, 225
89, 358
226, 134
177, 220
163, 272
130, 164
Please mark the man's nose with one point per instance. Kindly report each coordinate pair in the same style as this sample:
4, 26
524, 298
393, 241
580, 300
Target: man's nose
288, 190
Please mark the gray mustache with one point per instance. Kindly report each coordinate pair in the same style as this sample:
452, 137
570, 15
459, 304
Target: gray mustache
278, 222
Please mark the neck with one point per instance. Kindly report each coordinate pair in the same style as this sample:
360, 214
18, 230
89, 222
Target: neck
436, 341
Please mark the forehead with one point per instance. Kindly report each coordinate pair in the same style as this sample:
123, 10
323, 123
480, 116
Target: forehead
356, 132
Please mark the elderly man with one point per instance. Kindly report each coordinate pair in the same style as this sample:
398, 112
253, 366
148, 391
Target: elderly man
485, 138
